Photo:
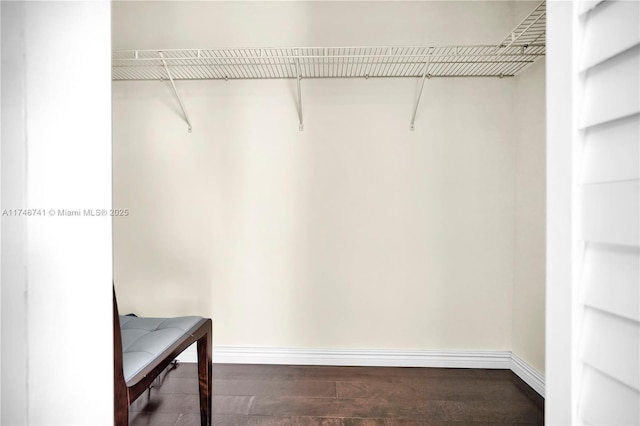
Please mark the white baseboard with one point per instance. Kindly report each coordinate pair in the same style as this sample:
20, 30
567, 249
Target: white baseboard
358, 357
375, 358
526, 372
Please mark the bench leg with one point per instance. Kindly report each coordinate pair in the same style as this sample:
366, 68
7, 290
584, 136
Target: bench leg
121, 414
120, 390
205, 376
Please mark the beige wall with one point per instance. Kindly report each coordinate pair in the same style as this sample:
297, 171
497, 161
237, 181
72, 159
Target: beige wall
529, 283
356, 232
210, 24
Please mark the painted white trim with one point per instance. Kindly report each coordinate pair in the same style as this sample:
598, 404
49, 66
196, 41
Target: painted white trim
560, 397
526, 372
375, 358
359, 357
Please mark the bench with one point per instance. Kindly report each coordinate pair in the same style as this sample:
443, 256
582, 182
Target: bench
144, 347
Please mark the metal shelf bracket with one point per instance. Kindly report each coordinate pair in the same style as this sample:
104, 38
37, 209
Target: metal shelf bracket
425, 75
175, 91
299, 100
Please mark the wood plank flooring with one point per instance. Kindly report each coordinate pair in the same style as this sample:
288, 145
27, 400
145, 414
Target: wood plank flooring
341, 396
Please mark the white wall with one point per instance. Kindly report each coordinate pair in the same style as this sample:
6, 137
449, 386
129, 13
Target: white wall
355, 233
13, 193
57, 343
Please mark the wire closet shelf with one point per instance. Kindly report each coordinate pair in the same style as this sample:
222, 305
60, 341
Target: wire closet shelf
523, 46
324, 62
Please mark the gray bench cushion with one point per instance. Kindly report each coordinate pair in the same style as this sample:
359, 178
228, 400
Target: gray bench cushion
143, 339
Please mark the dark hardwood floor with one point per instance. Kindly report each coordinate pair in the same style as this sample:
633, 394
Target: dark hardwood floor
341, 396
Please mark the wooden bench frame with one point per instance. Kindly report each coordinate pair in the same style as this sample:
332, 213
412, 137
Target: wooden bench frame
126, 393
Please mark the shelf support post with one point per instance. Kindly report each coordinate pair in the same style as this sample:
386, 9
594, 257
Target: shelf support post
299, 104
425, 75
175, 91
